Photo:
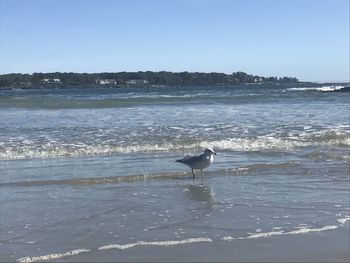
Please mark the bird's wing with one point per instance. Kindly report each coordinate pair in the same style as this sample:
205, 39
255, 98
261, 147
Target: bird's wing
192, 159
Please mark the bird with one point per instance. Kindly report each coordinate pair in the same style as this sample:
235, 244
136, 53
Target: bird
199, 162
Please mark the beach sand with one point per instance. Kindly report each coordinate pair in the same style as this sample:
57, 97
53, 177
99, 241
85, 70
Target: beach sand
326, 246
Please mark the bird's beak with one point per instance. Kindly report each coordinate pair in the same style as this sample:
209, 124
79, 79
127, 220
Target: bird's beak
214, 153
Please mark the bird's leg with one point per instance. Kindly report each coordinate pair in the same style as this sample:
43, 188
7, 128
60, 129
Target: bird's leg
202, 175
194, 176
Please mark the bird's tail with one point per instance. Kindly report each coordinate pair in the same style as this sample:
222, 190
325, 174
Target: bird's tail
179, 161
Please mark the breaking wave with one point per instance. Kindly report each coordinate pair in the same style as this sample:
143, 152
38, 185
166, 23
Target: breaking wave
273, 143
51, 149
323, 88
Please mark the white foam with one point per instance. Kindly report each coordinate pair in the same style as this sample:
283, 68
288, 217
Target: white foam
277, 228
265, 234
302, 230
329, 137
295, 232
323, 88
308, 230
227, 238
343, 220
260, 143
155, 243
51, 256
51, 151
320, 138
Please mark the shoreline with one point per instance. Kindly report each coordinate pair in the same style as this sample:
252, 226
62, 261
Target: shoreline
326, 246
87, 87
63, 87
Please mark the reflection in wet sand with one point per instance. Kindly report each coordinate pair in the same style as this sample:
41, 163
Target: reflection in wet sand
199, 193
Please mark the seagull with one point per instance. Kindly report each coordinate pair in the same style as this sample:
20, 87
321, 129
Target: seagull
199, 162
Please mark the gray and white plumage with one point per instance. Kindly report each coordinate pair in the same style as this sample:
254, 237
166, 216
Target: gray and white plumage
199, 162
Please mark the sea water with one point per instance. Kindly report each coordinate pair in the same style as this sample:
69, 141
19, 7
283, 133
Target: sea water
94, 169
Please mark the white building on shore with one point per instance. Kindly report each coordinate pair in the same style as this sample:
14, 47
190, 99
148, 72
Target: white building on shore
136, 82
106, 81
51, 81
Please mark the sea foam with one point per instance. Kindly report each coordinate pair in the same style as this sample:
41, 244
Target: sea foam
156, 243
294, 232
343, 220
178, 242
26, 148
323, 88
51, 256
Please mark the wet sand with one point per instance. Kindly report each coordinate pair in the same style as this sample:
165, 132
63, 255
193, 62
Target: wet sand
327, 246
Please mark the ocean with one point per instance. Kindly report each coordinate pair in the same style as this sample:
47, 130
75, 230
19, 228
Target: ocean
86, 171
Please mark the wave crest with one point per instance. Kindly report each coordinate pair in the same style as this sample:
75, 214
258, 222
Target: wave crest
31, 149
323, 88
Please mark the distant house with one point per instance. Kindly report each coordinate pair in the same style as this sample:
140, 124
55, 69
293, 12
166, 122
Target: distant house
106, 81
51, 81
258, 79
136, 82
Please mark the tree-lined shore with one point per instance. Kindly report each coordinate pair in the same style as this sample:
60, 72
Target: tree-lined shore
63, 79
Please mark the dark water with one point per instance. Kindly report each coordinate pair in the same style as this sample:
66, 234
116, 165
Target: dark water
95, 167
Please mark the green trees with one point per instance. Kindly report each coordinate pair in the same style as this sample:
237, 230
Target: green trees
122, 78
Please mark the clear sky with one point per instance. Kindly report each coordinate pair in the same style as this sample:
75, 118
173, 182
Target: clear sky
307, 39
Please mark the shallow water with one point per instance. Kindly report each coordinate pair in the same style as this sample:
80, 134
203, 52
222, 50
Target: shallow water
90, 169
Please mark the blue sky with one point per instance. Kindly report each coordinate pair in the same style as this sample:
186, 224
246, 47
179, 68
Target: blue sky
307, 39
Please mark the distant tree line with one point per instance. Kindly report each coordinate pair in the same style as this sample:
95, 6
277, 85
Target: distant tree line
125, 78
